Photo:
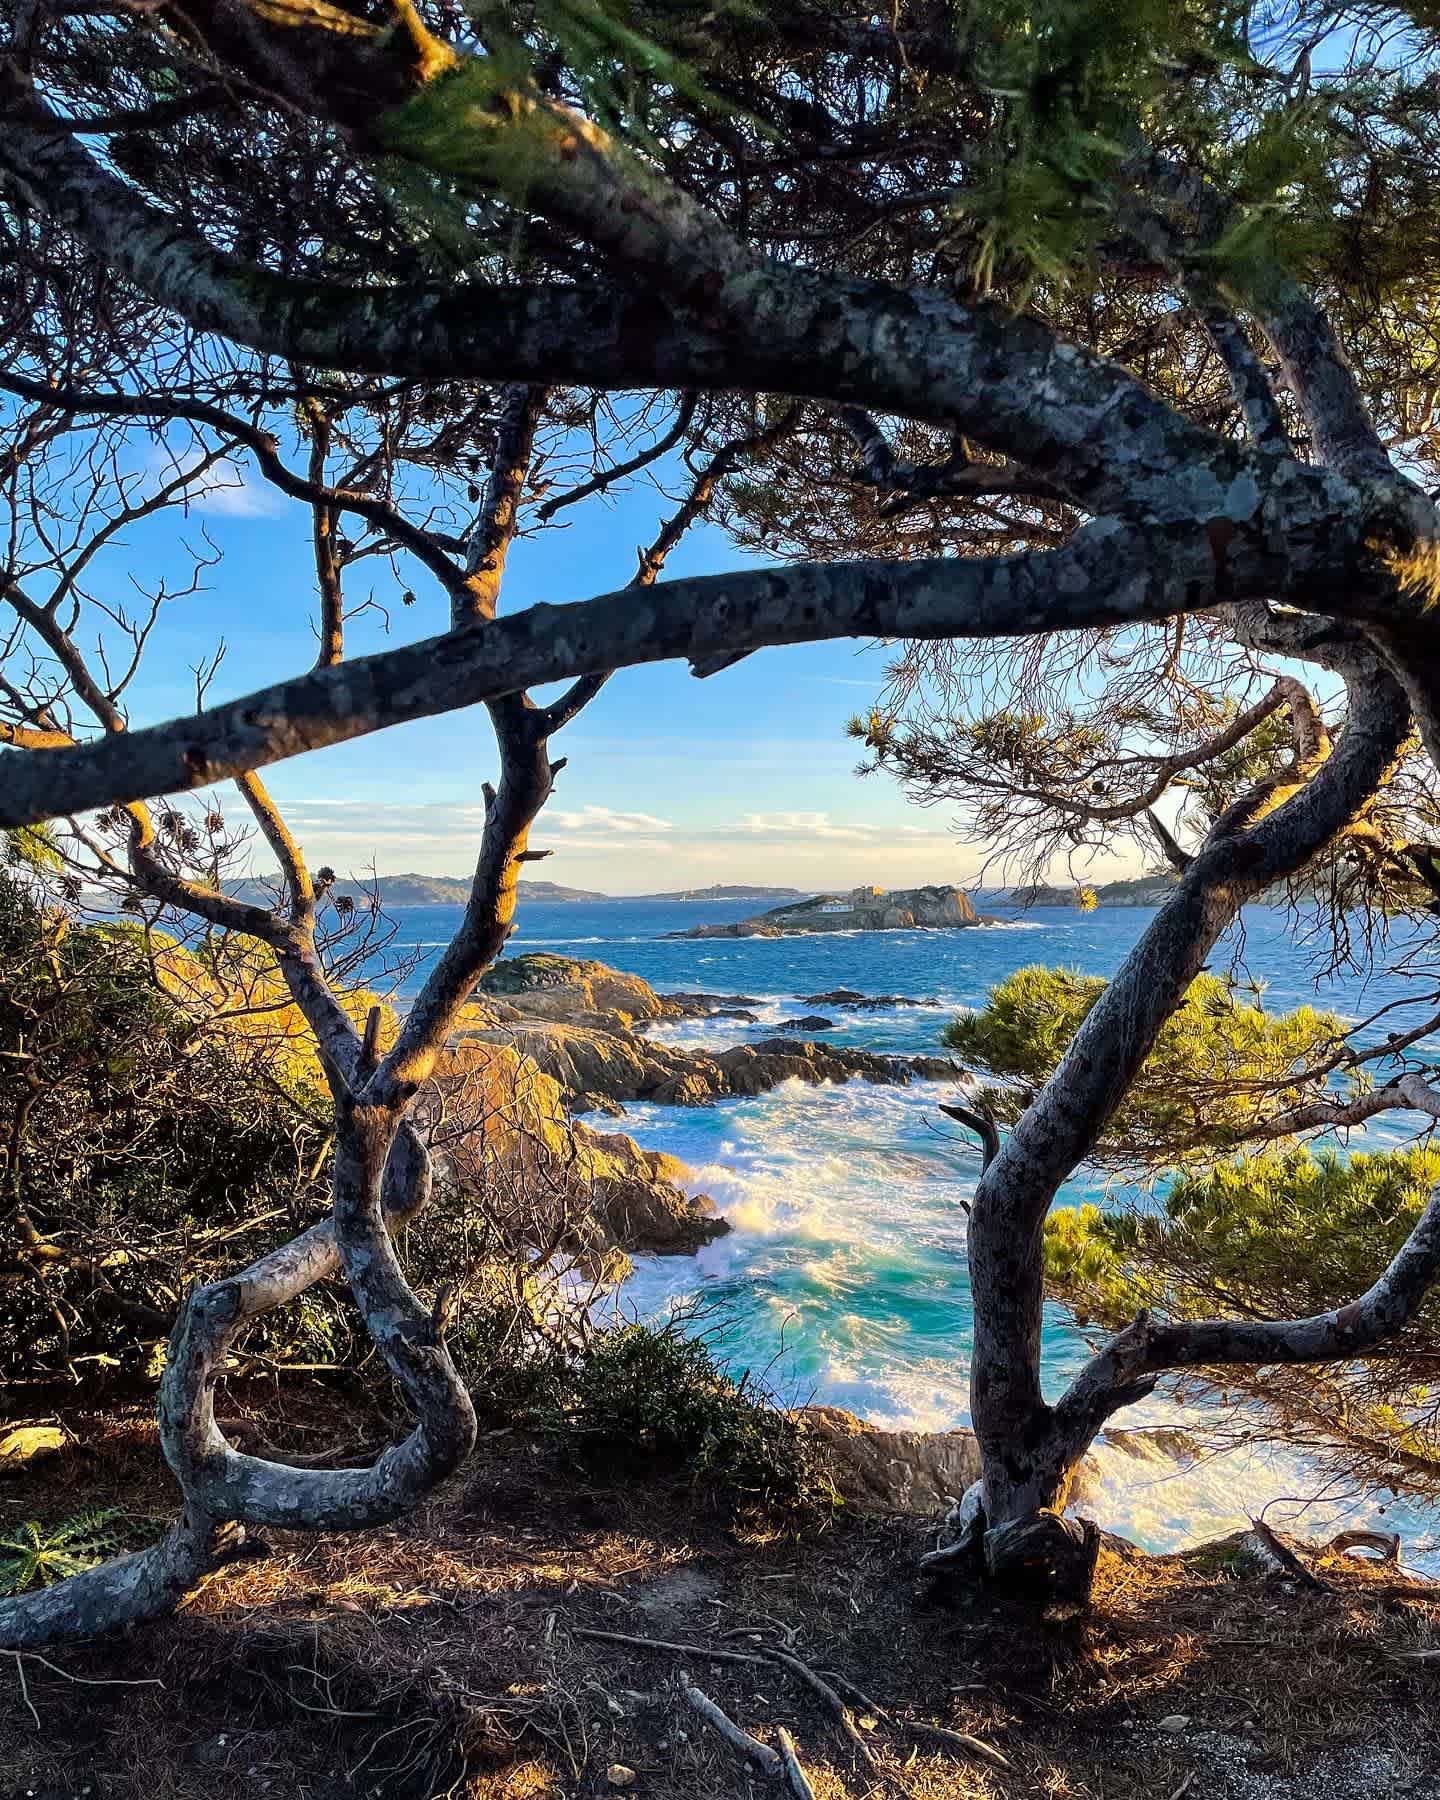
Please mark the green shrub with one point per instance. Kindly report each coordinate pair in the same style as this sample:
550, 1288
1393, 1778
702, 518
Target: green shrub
33, 1555
649, 1400
1220, 1063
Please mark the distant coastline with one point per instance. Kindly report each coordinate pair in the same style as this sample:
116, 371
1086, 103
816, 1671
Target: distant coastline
449, 890
410, 889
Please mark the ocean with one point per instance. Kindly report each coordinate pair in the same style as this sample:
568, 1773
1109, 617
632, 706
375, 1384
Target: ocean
844, 1278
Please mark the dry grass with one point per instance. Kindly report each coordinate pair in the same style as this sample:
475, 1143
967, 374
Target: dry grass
441, 1656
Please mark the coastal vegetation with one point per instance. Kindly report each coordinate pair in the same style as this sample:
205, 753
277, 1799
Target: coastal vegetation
1085, 353
1283, 1230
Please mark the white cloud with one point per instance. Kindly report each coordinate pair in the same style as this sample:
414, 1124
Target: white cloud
821, 825
226, 490
620, 851
605, 819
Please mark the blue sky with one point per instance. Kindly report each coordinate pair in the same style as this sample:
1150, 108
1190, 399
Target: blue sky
672, 782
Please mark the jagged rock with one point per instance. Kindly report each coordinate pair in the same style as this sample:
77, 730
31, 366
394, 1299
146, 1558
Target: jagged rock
618, 1065
862, 909
835, 1062
623, 1066
560, 987
617, 1196
811, 1022
926, 1472
578, 1104
635, 1191
689, 1089
1153, 1443
571, 991
848, 997
711, 1006
894, 1471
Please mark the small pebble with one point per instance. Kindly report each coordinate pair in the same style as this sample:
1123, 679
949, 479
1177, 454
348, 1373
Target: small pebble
619, 1776
1176, 1722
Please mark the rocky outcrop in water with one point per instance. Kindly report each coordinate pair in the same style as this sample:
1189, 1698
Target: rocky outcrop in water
576, 992
577, 1023
855, 1002
862, 909
596, 1067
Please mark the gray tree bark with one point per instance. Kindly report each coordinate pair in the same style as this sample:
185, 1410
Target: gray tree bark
1030, 1448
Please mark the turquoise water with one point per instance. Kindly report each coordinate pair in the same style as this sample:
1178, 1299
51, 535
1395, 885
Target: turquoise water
844, 1279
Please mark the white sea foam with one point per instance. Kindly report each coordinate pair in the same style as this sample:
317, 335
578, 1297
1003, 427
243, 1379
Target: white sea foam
843, 1281
844, 1278
565, 940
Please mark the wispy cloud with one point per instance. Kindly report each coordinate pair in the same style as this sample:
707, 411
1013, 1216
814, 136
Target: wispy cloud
604, 819
227, 489
625, 851
821, 825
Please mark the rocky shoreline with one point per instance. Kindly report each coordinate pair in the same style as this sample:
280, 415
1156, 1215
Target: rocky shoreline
550, 1039
583, 1025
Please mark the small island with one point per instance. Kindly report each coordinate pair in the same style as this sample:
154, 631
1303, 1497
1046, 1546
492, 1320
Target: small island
1142, 890
862, 909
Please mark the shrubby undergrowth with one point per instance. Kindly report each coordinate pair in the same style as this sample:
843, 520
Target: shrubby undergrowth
646, 1401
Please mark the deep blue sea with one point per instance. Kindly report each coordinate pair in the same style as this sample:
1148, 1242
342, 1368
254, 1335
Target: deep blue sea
844, 1279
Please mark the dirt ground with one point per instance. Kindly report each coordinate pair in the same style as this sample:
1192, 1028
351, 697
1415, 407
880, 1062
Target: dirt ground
447, 1656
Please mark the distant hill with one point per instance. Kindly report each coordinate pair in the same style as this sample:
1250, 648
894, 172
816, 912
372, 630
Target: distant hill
394, 890
1142, 890
552, 890
450, 890
719, 892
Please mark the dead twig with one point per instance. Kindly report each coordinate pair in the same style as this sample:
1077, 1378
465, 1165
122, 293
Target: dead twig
736, 1736
24, 1688
643, 1643
818, 1685
794, 1770
858, 1695
960, 1740
91, 1680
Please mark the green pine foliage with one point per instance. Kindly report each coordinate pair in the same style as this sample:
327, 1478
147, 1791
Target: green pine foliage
1286, 1234
1289, 1232
1221, 1063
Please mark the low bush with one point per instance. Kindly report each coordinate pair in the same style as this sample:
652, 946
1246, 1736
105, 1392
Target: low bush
642, 1399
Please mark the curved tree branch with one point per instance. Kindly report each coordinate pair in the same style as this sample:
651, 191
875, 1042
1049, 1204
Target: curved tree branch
1107, 574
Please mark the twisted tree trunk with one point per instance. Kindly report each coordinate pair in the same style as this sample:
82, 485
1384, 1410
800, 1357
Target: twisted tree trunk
1031, 1448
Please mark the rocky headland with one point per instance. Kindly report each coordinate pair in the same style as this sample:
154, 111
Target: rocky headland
1143, 890
862, 909
582, 1024
548, 1039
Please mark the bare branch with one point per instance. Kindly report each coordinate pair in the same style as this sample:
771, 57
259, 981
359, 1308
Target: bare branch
684, 413
379, 513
